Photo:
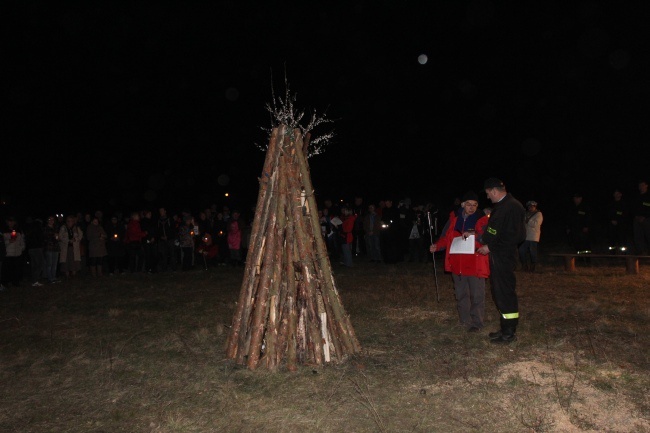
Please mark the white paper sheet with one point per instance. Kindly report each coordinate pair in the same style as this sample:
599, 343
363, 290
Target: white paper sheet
462, 246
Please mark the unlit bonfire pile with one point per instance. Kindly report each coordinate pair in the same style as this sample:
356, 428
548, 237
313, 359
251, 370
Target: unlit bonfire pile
289, 311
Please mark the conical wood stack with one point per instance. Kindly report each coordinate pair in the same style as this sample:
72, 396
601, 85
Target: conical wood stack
289, 311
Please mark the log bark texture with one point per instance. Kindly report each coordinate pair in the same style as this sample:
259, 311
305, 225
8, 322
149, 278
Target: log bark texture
289, 311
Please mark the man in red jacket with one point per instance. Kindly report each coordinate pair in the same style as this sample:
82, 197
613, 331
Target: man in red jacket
133, 240
346, 234
469, 271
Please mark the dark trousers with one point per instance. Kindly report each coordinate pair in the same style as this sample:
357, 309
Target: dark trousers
115, 263
188, 258
504, 283
37, 263
166, 256
136, 257
150, 250
358, 243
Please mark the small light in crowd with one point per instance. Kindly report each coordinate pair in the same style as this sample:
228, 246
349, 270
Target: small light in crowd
227, 195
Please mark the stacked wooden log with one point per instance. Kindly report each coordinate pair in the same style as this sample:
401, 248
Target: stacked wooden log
289, 311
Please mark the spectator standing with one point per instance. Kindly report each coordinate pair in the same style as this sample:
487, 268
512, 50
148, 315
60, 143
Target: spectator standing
12, 265
417, 249
97, 250
221, 238
167, 236
347, 228
371, 229
528, 248
579, 224
641, 222
469, 272
504, 232
70, 237
203, 223
186, 242
35, 243
358, 234
334, 238
133, 238
235, 231
390, 238
208, 251
115, 245
405, 224
150, 242
617, 223
51, 249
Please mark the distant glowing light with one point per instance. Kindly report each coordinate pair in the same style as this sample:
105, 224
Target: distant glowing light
423, 59
227, 195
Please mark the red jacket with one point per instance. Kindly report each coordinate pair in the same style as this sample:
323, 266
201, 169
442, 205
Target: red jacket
471, 265
134, 232
347, 227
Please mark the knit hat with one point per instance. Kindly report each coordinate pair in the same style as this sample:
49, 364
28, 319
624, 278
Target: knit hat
531, 203
470, 195
493, 182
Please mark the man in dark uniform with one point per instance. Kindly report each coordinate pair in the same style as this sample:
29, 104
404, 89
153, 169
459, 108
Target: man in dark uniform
504, 232
579, 225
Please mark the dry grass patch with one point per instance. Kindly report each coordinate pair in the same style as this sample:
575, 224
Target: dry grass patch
145, 354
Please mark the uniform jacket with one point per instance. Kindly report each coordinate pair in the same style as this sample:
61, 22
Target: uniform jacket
505, 229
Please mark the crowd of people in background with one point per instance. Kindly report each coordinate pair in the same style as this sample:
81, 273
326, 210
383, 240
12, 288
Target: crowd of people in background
63, 246
625, 219
387, 231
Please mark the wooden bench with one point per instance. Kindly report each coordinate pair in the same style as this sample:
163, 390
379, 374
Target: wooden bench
631, 261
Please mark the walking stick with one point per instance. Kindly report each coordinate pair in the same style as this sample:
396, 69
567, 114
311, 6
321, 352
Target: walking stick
435, 273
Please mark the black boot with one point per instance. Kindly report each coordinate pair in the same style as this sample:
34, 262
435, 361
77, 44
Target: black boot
495, 334
507, 336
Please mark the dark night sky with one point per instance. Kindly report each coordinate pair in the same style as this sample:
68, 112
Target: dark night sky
124, 105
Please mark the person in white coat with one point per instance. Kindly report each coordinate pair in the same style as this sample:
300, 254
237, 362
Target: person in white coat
70, 236
528, 248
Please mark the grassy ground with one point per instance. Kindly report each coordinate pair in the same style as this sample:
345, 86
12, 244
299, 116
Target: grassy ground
145, 353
